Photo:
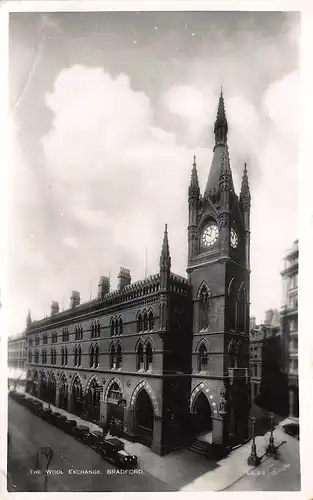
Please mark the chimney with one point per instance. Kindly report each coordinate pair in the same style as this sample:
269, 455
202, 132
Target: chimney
252, 323
123, 278
75, 299
54, 308
103, 287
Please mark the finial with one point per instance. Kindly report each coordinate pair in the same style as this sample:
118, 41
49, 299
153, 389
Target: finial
194, 160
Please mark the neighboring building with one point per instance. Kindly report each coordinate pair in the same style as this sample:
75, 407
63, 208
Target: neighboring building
289, 325
17, 360
166, 356
17, 351
268, 385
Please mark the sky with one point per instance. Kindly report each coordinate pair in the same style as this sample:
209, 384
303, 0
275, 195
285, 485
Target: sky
106, 113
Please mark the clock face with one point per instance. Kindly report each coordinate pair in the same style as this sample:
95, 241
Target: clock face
234, 238
209, 235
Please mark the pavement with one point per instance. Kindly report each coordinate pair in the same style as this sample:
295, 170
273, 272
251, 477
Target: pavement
185, 471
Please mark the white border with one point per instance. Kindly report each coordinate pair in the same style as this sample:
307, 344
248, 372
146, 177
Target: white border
305, 221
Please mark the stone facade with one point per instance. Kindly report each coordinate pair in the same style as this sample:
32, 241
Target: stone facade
289, 326
166, 357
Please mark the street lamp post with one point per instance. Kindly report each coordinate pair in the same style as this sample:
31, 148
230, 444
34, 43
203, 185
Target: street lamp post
253, 459
271, 448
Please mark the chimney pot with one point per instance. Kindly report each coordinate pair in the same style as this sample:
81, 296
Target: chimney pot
75, 299
124, 278
103, 287
54, 308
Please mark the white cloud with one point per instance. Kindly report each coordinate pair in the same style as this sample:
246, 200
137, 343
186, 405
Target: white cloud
119, 177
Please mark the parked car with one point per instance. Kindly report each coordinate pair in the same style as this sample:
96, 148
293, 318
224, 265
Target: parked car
292, 429
81, 431
95, 439
70, 426
114, 450
60, 421
46, 413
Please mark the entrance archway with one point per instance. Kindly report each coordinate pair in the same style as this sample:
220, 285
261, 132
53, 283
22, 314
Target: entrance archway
202, 414
63, 395
114, 397
144, 417
93, 401
77, 397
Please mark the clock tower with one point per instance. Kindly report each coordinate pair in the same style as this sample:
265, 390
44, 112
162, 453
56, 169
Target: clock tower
219, 275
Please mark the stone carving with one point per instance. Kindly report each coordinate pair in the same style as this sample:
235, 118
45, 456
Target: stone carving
223, 400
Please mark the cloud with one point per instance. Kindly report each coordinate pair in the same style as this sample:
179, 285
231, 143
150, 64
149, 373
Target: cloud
118, 177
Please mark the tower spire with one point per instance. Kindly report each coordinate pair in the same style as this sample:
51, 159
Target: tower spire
165, 259
220, 125
245, 197
194, 189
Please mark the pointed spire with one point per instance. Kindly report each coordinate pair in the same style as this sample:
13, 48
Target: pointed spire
245, 189
220, 125
28, 319
165, 259
194, 189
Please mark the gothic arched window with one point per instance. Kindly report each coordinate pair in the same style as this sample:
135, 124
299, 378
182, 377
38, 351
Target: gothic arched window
145, 322
139, 323
118, 356
96, 356
112, 357
65, 356
75, 356
204, 297
140, 357
79, 356
149, 356
62, 356
151, 321
91, 356
202, 358
232, 306
242, 307
120, 326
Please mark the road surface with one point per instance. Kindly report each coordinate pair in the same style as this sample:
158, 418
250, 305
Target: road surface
30, 433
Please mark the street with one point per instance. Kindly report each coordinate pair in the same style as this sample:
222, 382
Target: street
30, 433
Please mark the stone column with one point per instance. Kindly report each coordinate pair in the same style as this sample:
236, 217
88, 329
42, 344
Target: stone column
157, 442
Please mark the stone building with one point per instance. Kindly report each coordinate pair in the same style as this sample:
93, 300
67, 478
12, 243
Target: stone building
17, 360
17, 351
167, 356
289, 326
268, 383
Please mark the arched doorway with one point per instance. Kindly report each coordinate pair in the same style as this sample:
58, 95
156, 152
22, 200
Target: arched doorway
63, 395
77, 397
52, 388
144, 417
93, 401
202, 414
43, 392
115, 400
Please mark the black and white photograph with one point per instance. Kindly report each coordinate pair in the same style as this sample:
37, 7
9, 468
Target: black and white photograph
153, 241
